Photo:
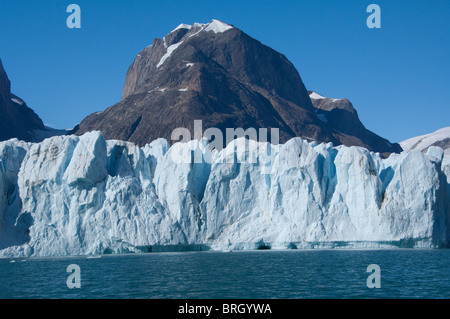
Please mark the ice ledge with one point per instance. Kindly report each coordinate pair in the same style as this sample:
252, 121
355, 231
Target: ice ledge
261, 245
24, 251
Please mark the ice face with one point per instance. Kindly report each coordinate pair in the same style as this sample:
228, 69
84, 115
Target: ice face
74, 195
13, 230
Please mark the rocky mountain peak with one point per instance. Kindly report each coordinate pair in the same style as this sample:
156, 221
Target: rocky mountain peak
17, 119
217, 73
5, 86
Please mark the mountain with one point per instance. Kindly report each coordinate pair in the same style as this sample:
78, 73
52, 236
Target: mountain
218, 74
341, 116
440, 138
73, 195
17, 120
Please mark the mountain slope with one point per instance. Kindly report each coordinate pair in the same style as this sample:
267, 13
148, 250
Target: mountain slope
439, 138
218, 74
17, 120
341, 116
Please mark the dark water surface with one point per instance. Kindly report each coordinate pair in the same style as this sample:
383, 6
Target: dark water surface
251, 274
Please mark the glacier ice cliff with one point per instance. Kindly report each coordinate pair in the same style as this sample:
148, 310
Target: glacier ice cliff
72, 195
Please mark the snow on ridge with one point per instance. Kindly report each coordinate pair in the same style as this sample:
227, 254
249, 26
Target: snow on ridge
196, 24
317, 96
17, 101
169, 52
422, 142
182, 26
215, 25
218, 26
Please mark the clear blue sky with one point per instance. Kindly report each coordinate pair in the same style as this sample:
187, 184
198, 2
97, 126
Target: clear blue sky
397, 77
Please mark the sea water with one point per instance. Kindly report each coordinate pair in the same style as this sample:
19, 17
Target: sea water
404, 273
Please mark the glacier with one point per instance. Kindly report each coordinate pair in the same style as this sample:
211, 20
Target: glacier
83, 195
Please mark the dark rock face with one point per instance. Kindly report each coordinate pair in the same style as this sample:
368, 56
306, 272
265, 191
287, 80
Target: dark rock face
342, 118
5, 86
218, 74
16, 118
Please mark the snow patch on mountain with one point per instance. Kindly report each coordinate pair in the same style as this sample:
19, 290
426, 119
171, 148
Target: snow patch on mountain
317, 96
169, 52
182, 26
218, 26
17, 101
421, 143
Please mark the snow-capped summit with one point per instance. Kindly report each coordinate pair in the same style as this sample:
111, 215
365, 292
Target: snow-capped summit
215, 25
218, 26
182, 26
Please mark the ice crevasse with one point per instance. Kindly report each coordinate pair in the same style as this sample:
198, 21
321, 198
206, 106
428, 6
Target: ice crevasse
71, 195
